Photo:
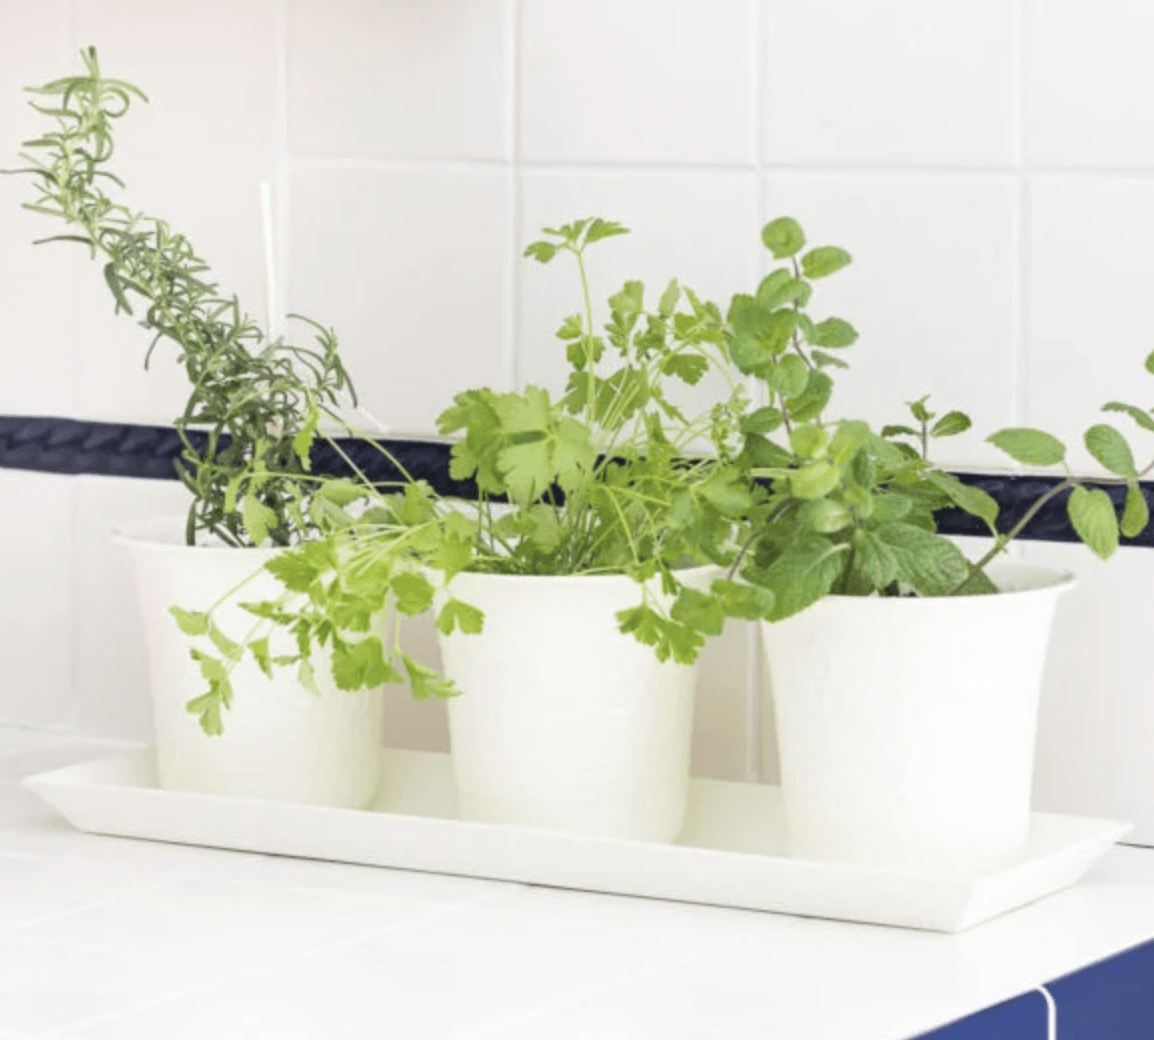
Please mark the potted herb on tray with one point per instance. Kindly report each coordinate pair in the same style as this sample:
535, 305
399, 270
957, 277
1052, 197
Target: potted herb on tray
247, 432
905, 678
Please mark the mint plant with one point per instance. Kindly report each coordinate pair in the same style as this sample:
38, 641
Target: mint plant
256, 402
846, 510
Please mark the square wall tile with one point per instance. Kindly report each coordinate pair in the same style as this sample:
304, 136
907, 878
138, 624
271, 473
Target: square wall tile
699, 227
389, 77
652, 81
411, 268
210, 70
36, 604
213, 199
931, 293
37, 285
890, 82
1096, 716
1089, 83
112, 664
1090, 274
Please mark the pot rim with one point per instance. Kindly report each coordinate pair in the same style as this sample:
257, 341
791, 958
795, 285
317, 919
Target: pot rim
696, 569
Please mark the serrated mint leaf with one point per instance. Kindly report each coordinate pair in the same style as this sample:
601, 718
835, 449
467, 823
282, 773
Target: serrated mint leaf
815, 479
777, 291
972, 499
740, 600
783, 237
804, 572
833, 333
1143, 419
761, 420
951, 424
929, 562
789, 376
875, 559
1032, 447
823, 261
1109, 447
849, 438
824, 516
1136, 515
813, 399
1094, 520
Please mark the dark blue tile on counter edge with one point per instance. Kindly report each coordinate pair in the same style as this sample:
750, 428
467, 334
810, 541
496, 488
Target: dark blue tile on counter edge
1110, 1000
1023, 1018
53, 444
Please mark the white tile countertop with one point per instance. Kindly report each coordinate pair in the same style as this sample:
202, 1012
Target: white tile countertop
112, 939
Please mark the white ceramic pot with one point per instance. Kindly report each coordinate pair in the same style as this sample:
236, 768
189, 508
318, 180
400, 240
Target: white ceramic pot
906, 725
564, 723
279, 742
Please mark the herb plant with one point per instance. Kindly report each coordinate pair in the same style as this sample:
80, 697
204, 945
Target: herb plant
846, 510
256, 402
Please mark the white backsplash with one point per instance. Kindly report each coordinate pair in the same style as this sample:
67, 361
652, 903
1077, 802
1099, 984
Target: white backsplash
984, 160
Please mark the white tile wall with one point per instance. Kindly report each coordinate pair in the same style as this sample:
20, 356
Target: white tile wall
986, 162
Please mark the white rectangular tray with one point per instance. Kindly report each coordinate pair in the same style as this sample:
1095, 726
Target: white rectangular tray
731, 852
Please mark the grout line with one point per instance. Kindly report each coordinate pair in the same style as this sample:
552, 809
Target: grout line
512, 302
754, 766
283, 167
264, 966
1020, 377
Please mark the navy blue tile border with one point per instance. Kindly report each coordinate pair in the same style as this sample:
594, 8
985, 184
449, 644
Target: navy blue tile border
48, 444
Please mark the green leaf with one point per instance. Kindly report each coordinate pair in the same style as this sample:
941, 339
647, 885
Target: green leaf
207, 708
190, 622
260, 653
689, 368
668, 302
699, 611
307, 677
814, 480
667, 637
759, 453
808, 441
425, 682
227, 647
877, 561
542, 252
1136, 515
414, 594
824, 516
1094, 520
452, 556
1150, 362
780, 288
1109, 447
789, 376
783, 237
823, 261
257, 518
727, 491
833, 333
929, 562
813, 399
761, 420
804, 572
1143, 419
293, 570
739, 600
600, 229
951, 424
362, 665
571, 328
973, 500
919, 410
899, 431
849, 438
455, 614
825, 360
1030, 446
303, 441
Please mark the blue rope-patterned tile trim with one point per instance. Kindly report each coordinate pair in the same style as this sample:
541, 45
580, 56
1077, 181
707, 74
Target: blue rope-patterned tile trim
49, 444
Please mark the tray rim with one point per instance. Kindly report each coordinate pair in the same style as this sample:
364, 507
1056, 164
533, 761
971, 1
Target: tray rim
971, 889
